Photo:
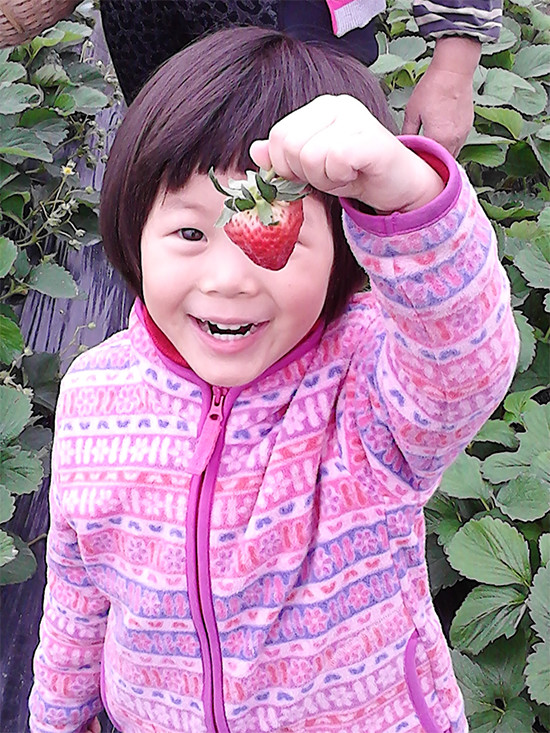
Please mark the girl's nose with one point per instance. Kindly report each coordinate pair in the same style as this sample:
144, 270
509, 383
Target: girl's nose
227, 270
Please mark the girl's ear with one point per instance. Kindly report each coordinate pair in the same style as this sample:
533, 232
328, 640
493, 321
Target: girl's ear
259, 152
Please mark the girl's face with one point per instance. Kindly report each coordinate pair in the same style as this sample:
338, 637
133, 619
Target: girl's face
229, 318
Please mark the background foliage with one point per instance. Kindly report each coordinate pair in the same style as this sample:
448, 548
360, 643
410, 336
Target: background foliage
489, 526
49, 94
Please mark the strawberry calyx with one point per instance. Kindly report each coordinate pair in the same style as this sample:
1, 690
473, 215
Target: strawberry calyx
259, 191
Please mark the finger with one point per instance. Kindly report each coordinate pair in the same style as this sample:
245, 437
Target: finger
411, 123
288, 137
259, 152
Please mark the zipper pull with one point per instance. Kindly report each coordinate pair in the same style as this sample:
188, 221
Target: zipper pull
209, 434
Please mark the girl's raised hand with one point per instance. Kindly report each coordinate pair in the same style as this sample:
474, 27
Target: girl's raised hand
337, 146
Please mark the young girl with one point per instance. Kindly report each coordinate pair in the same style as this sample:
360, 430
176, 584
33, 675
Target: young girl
237, 538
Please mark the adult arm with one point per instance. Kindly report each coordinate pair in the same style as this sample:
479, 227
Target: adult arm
442, 101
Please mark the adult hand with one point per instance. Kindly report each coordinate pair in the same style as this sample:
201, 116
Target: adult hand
441, 102
94, 726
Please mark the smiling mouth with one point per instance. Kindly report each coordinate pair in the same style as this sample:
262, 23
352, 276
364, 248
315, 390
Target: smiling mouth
226, 331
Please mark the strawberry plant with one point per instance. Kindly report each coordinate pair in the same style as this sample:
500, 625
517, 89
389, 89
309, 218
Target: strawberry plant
49, 94
488, 527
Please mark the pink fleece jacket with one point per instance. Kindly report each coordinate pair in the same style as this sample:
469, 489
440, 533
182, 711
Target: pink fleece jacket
252, 559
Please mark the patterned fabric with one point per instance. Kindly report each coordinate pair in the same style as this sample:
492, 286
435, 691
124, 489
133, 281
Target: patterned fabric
265, 571
142, 34
481, 19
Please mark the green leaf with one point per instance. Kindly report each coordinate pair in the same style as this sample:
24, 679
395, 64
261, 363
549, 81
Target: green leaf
497, 431
538, 602
7, 548
473, 683
502, 663
544, 548
10, 72
463, 479
387, 64
20, 471
543, 715
11, 340
23, 143
530, 101
531, 457
408, 48
486, 614
47, 39
65, 103
534, 266
15, 98
15, 412
508, 118
527, 341
526, 497
532, 61
88, 99
541, 149
53, 280
490, 156
46, 124
7, 505
73, 32
8, 253
22, 567
517, 716
441, 574
537, 673
506, 40
42, 371
499, 87
490, 551
517, 403
543, 132
50, 75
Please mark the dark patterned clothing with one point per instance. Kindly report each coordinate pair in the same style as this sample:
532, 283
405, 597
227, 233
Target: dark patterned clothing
142, 34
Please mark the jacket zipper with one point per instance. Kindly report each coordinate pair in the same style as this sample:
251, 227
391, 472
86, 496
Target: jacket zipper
210, 432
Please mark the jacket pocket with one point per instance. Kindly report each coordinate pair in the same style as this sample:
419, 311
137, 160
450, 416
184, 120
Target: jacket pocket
103, 694
414, 686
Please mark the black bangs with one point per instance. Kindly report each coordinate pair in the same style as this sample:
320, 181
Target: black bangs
204, 107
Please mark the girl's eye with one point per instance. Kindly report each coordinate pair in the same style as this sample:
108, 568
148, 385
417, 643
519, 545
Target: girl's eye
191, 235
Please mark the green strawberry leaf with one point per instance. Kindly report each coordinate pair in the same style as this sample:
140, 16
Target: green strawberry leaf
487, 613
490, 551
537, 673
244, 204
268, 191
538, 603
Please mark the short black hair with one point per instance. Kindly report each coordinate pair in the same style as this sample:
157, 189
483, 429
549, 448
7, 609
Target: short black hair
204, 107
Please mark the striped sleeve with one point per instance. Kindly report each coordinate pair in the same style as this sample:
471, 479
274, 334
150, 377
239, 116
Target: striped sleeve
66, 691
446, 345
480, 19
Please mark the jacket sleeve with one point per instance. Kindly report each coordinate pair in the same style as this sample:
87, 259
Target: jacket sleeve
480, 19
445, 343
67, 662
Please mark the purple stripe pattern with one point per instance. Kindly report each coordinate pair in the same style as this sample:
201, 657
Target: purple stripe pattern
284, 587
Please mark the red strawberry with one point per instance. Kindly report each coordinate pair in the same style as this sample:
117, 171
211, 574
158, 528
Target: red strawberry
263, 216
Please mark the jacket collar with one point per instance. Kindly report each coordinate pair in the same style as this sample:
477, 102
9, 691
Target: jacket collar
174, 361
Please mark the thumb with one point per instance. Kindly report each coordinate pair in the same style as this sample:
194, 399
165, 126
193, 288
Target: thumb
259, 152
411, 122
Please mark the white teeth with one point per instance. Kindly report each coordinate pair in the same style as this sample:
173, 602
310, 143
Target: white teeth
228, 326
206, 326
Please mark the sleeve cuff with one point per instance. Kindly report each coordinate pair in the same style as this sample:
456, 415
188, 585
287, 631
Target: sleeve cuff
445, 166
